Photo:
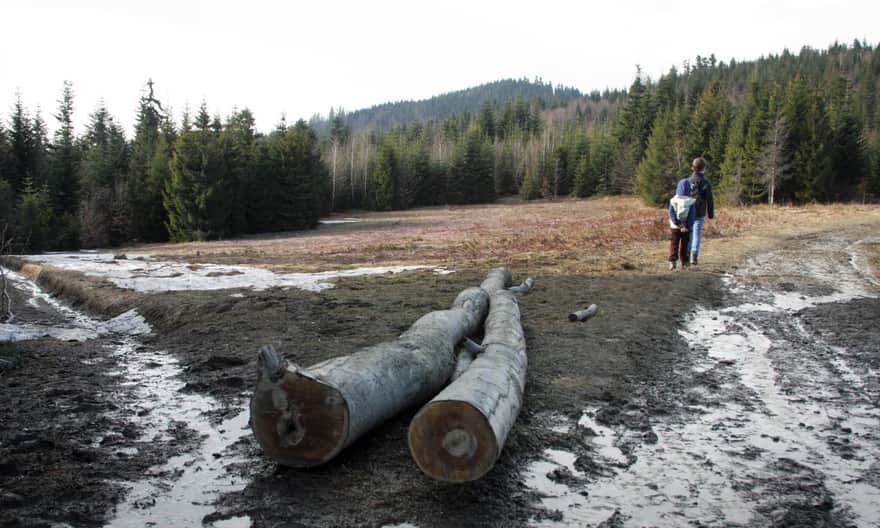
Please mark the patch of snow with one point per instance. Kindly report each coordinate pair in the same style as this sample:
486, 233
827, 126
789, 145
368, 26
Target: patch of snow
703, 467
340, 221
76, 327
148, 275
129, 323
234, 522
556, 496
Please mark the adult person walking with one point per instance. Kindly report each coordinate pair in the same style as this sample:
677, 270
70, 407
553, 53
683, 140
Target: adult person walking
701, 191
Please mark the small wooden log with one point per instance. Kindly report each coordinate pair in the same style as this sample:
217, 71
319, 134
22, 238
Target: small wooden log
583, 315
305, 416
458, 435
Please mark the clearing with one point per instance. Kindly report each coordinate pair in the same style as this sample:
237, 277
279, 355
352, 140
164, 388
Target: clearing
742, 393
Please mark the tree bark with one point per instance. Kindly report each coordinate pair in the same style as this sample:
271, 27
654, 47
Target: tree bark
458, 436
305, 416
583, 315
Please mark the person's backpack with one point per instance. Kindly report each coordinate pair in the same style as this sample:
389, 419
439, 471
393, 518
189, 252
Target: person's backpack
682, 212
697, 185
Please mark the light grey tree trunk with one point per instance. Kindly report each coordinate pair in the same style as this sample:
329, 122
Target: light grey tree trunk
305, 416
458, 435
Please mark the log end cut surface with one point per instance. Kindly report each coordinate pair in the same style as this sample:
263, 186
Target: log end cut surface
452, 441
298, 420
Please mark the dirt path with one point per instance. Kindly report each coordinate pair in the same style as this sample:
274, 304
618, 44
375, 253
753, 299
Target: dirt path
746, 399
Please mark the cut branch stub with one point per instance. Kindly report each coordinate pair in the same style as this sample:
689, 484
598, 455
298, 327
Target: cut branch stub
305, 416
458, 436
525, 287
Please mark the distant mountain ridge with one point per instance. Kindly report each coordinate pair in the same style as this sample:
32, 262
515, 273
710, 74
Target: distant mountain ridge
386, 116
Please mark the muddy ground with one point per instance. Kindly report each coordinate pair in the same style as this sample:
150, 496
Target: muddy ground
68, 423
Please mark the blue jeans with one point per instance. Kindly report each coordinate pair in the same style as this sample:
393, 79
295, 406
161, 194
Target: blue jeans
697, 235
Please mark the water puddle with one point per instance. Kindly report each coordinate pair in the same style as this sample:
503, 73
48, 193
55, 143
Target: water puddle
791, 409
145, 274
182, 491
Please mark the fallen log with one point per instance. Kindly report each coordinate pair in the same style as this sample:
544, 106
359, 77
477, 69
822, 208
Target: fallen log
583, 315
304, 417
458, 435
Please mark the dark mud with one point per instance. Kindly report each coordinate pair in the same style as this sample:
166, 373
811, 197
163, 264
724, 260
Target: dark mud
65, 442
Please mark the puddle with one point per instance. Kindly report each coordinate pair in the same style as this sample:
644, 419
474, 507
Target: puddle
182, 491
787, 404
145, 274
541, 476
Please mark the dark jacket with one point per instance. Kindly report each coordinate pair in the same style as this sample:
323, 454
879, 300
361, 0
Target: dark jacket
701, 191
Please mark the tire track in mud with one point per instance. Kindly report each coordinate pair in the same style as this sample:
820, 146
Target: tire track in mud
783, 428
180, 491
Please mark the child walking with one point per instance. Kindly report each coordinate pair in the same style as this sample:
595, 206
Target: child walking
681, 221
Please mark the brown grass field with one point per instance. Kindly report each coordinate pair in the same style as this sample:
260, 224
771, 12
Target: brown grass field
564, 236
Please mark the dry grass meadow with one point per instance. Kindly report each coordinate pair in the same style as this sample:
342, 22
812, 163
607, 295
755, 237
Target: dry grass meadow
565, 236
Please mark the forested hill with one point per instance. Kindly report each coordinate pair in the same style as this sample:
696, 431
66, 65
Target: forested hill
468, 101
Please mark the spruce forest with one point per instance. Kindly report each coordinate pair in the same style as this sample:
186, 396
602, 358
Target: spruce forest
782, 129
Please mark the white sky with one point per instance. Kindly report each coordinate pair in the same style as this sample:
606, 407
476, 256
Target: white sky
301, 58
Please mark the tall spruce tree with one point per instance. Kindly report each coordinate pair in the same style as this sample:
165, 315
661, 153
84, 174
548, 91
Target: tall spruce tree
64, 157
657, 173
847, 144
300, 177
471, 174
142, 193
383, 178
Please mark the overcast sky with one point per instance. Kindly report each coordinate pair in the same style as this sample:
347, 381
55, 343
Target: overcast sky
301, 58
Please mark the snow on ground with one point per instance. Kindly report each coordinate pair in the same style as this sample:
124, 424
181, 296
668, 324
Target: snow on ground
714, 468
340, 221
146, 274
76, 327
154, 376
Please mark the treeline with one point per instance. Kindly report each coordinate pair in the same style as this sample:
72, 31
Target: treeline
204, 179
784, 128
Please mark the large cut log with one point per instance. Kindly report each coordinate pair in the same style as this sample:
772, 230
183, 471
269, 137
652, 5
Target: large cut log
305, 416
458, 435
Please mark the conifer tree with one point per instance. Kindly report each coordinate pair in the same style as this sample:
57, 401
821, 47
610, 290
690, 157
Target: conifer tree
33, 217
846, 142
65, 157
143, 194
101, 172
20, 144
300, 177
657, 173
603, 150
731, 185
471, 174
383, 178
236, 150
186, 192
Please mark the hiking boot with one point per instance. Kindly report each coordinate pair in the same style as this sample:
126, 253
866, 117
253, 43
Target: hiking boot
693, 260
671, 265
